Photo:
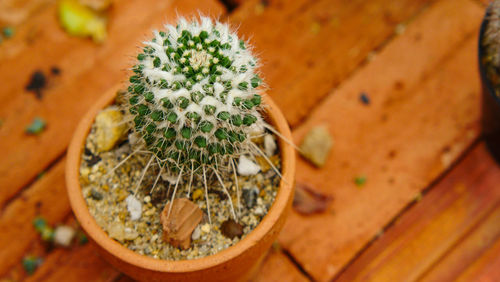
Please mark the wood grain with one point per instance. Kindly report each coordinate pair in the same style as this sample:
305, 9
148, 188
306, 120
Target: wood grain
424, 92
419, 121
47, 197
307, 48
277, 267
472, 253
78, 264
425, 234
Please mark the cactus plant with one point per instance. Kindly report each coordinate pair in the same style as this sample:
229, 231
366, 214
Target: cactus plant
194, 98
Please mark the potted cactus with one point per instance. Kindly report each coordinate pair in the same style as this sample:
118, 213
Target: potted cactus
186, 174
489, 69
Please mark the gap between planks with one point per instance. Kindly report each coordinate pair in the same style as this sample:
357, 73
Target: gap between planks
427, 242
22, 108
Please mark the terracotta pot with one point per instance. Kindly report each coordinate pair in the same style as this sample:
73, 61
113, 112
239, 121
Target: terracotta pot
490, 106
238, 262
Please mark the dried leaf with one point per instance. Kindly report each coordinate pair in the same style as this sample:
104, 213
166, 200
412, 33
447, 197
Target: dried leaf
307, 201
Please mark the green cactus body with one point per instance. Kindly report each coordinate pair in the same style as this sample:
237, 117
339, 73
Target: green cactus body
194, 96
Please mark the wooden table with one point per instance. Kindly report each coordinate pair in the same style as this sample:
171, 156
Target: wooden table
430, 207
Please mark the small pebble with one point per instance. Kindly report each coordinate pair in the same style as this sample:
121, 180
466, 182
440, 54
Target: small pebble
63, 235
231, 229
196, 233
147, 199
249, 196
205, 228
36, 127
269, 145
95, 195
316, 145
134, 207
116, 231
110, 128
130, 234
259, 211
246, 167
197, 194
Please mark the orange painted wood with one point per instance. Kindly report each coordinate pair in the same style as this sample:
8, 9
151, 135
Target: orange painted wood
424, 235
277, 267
472, 249
78, 264
83, 62
16, 12
47, 197
421, 118
87, 71
486, 269
308, 48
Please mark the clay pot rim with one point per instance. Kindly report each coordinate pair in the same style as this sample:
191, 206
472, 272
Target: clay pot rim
100, 237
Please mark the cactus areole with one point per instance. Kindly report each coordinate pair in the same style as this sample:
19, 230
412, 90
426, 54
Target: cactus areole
194, 96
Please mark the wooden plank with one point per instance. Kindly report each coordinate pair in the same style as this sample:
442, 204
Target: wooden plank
420, 119
79, 59
278, 267
473, 249
78, 264
486, 269
309, 47
47, 197
434, 226
75, 265
87, 71
16, 12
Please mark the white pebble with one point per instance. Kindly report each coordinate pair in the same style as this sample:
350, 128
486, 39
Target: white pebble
116, 231
269, 145
63, 235
205, 228
259, 211
247, 167
147, 199
196, 233
134, 207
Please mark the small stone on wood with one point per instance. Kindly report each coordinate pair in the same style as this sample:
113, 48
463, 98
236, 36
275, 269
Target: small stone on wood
63, 235
179, 222
316, 146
